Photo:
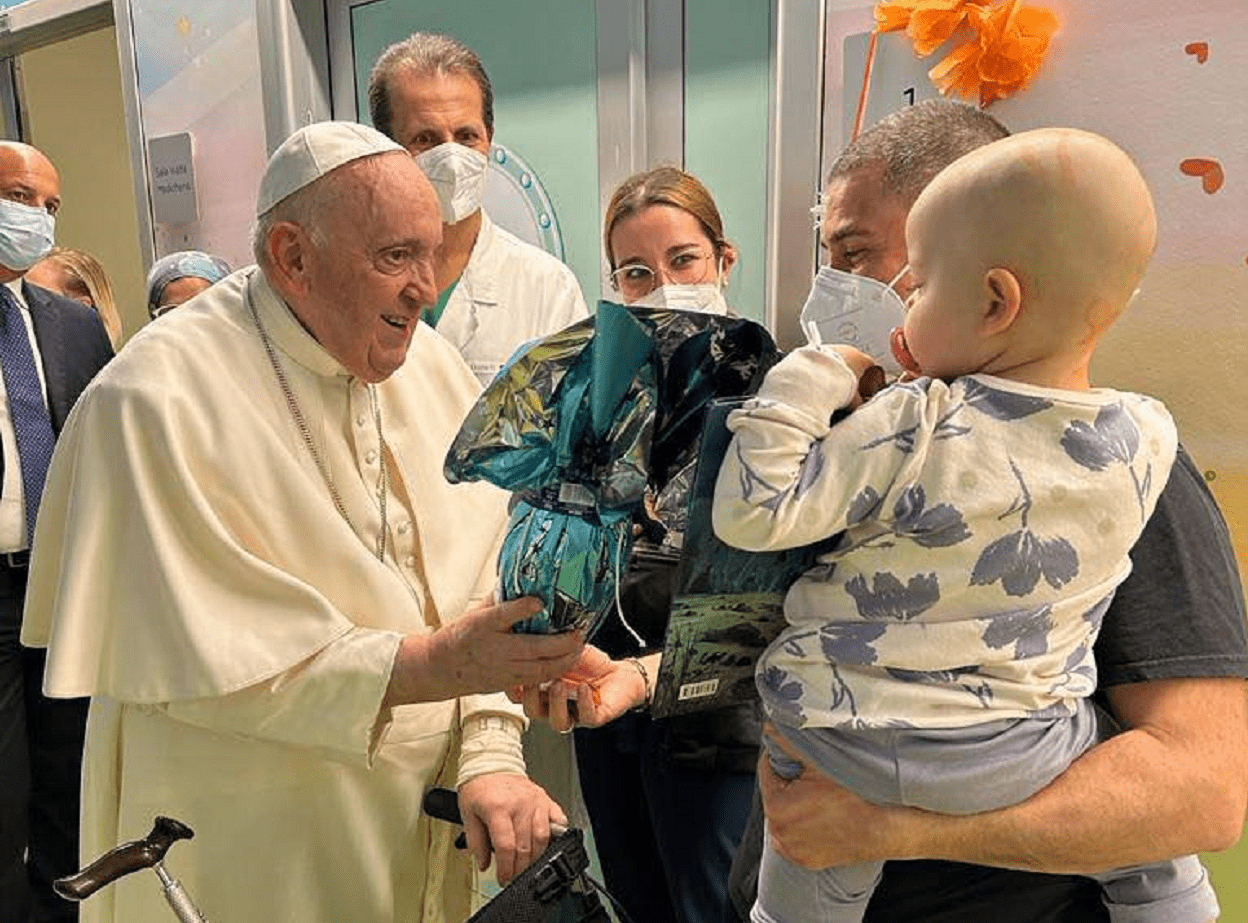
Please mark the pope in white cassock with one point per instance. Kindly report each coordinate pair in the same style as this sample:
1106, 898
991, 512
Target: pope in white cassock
248, 556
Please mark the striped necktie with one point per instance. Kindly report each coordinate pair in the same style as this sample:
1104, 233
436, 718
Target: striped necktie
31, 424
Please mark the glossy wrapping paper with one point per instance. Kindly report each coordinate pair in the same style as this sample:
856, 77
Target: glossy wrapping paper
580, 425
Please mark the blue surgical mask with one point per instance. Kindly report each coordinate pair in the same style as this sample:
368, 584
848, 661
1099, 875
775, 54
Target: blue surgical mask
26, 235
855, 310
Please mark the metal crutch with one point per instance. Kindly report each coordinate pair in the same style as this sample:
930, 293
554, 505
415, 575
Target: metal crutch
148, 852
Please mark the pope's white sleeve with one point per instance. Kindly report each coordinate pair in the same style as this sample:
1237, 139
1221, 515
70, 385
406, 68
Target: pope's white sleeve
330, 703
491, 738
491, 724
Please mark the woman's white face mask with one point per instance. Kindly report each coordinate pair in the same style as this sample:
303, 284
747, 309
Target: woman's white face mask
703, 297
457, 174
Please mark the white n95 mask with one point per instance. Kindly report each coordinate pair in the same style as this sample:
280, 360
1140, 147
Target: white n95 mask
703, 297
855, 310
457, 174
26, 234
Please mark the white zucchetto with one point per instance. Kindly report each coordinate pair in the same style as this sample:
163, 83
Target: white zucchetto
313, 151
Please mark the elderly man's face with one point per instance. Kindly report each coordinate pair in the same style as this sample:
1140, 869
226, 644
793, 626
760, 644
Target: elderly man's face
433, 109
368, 281
864, 228
28, 178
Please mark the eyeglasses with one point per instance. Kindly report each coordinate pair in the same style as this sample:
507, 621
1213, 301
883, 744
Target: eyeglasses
684, 267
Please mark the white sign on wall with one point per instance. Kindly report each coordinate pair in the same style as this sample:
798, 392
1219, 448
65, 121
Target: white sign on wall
171, 163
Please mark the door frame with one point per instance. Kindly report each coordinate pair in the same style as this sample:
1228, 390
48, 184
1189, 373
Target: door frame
640, 108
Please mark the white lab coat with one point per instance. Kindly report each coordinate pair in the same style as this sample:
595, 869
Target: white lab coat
510, 292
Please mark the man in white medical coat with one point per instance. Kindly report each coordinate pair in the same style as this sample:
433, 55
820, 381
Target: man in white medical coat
431, 94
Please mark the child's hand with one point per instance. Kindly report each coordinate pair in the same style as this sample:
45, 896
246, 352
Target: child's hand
870, 376
857, 360
821, 379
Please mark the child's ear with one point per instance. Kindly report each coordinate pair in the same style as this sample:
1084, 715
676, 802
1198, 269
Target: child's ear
1003, 299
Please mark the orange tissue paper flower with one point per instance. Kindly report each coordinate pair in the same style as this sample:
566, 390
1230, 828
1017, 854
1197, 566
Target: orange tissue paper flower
933, 21
1006, 54
958, 73
893, 17
1014, 39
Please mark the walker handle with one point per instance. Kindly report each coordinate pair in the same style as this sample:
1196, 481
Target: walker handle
124, 859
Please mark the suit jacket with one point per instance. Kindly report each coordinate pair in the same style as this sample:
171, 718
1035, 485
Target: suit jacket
73, 345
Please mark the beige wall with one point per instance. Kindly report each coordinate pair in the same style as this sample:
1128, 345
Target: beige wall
72, 97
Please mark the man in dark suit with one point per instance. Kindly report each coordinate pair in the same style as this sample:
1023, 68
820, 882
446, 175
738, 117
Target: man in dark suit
50, 347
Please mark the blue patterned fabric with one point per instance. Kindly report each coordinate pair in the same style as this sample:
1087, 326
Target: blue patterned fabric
31, 423
986, 524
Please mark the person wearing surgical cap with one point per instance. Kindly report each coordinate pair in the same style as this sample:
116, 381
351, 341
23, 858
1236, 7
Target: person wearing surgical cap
179, 277
303, 639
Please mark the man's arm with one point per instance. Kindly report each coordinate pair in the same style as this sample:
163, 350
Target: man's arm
1175, 783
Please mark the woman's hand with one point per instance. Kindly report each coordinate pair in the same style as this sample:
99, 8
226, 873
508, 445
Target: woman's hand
595, 691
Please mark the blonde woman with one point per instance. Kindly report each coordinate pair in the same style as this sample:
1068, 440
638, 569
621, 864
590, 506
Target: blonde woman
78, 275
668, 798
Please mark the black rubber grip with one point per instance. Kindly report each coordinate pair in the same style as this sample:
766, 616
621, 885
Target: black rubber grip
443, 803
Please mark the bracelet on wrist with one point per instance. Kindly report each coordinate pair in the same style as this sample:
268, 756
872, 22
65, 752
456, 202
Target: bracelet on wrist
645, 681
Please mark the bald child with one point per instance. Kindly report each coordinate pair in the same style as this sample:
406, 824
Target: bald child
941, 656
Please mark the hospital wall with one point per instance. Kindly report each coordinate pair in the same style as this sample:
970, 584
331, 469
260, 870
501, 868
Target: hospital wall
73, 103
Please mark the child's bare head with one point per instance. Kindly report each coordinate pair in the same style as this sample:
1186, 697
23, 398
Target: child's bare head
1023, 253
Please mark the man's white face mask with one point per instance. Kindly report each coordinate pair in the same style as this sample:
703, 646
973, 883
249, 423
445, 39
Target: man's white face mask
26, 234
856, 310
457, 174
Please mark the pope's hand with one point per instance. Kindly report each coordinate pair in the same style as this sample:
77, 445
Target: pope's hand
601, 689
509, 815
478, 652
